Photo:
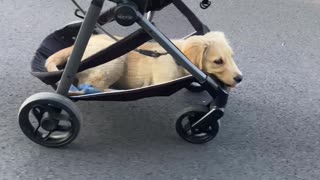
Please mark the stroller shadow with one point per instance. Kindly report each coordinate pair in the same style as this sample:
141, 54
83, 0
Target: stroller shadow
149, 125
144, 131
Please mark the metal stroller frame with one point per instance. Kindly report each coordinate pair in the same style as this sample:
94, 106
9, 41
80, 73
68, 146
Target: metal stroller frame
52, 108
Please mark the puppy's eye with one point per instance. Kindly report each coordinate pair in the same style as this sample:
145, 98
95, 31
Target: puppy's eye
218, 61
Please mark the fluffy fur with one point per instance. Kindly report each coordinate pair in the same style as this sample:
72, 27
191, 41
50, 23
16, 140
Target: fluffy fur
211, 53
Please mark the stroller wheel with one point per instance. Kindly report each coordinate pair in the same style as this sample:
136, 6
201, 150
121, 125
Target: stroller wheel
49, 119
196, 135
195, 87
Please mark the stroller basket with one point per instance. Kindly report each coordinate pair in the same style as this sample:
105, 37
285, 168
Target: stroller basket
65, 37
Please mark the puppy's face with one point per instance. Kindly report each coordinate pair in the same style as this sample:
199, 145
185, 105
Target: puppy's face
213, 54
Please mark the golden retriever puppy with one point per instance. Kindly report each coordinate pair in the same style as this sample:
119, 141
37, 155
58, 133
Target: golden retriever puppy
211, 53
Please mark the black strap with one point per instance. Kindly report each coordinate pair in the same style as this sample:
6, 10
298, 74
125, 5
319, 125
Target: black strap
153, 54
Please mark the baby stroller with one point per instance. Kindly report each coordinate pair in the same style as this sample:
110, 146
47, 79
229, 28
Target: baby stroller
57, 119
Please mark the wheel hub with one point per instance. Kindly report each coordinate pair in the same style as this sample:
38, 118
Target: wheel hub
49, 124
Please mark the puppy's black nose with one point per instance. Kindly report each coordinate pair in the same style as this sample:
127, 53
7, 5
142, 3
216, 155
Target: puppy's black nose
238, 78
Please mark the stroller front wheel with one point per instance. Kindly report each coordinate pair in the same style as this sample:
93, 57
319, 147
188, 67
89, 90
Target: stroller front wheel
49, 119
197, 135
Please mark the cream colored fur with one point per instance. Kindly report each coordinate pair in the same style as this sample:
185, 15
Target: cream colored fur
135, 70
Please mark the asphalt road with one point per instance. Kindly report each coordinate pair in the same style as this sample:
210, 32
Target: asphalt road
271, 129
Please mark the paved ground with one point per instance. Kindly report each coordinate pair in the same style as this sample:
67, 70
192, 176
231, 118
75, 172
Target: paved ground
271, 129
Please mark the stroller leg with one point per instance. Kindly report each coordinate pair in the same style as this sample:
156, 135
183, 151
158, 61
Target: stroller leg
83, 37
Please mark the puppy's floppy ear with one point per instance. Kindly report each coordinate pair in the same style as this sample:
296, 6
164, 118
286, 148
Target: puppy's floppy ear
194, 48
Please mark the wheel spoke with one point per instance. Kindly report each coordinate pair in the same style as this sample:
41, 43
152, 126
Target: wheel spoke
38, 112
46, 137
187, 125
187, 128
62, 117
209, 129
191, 119
63, 127
36, 130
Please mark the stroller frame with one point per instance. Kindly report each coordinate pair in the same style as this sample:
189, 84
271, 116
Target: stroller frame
127, 12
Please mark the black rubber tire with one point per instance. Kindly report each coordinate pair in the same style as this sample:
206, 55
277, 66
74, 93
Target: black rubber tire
56, 103
195, 87
196, 112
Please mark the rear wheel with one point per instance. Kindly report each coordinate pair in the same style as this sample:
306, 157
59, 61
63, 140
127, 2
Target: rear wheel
49, 119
